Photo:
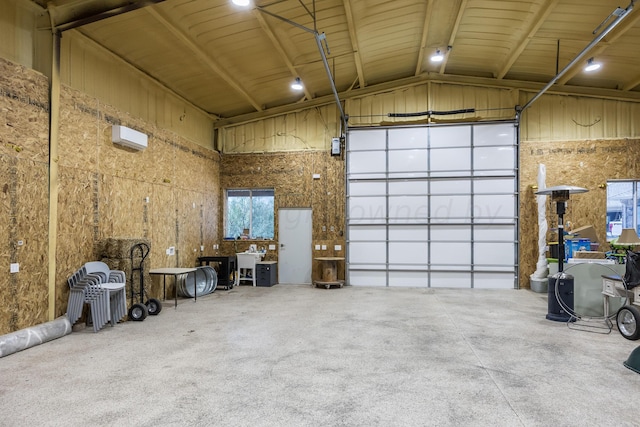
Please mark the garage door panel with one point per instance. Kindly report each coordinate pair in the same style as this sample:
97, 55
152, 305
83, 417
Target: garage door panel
368, 252
408, 252
444, 213
450, 206
367, 162
494, 253
418, 279
408, 138
367, 278
454, 161
450, 279
451, 233
493, 280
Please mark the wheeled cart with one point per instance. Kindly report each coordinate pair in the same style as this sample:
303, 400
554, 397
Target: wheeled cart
628, 316
139, 310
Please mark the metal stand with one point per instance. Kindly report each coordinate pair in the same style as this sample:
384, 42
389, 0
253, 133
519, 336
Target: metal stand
560, 290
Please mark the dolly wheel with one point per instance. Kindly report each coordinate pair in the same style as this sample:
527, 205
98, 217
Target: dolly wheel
154, 306
138, 312
628, 320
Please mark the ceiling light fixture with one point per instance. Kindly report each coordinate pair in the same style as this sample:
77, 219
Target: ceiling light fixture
437, 57
241, 2
592, 65
297, 84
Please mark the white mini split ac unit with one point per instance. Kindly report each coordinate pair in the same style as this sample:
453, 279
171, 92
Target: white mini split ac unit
128, 137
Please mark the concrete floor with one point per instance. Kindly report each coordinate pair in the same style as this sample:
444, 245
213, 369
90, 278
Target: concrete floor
300, 356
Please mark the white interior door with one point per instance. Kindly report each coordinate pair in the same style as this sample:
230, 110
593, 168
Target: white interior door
294, 251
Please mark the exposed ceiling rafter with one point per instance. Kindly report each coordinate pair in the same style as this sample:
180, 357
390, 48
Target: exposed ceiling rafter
278, 46
203, 56
454, 32
533, 29
423, 39
354, 42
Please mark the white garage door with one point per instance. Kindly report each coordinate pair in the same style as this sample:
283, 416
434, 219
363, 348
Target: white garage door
433, 206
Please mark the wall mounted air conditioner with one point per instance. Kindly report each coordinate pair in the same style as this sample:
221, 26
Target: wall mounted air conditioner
128, 137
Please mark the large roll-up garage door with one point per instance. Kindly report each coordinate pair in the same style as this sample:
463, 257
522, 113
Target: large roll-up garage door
433, 206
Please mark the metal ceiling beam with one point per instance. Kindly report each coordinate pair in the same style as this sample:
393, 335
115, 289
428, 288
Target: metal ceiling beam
203, 56
319, 39
544, 13
423, 39
608, 41
354, 42
454, 33
595, 41
90, 16
276, 43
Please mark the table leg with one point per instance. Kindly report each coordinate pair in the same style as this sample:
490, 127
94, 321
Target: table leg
195, 290
175, 291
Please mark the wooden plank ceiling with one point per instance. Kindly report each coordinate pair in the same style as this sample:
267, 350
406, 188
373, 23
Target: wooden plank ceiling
232, 61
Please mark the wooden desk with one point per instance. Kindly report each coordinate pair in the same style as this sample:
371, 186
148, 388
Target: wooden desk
175, 272
329, 272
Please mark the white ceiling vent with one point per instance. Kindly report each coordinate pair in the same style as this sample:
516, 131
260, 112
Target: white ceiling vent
128, 137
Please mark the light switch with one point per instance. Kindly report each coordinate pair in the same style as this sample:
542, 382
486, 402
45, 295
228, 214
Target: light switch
272, 247
14, 267
324, 247
317, 247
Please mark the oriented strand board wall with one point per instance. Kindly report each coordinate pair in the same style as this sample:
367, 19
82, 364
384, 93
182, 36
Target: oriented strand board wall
24, 197
291, 176
107, 191
587, 164
167, 193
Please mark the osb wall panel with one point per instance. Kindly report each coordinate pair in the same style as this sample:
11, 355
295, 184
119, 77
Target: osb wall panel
309, 129
78, 226
587, 164
125, 194
23, 197
291, 177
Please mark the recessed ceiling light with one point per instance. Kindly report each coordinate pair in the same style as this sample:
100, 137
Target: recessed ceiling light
241, 2
592, 65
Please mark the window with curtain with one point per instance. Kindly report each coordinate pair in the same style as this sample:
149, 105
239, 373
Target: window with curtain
249, 212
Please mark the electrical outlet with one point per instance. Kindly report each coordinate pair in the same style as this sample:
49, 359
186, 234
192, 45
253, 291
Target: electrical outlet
272, 247
317, 247
14, 267
201, 248
337, 247
324, 247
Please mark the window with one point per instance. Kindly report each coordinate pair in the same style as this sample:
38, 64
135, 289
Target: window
622, 207
250, 211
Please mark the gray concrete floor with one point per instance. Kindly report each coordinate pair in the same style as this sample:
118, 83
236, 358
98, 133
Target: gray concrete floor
301, 356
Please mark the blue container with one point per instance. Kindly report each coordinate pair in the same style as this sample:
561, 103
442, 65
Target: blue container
572, 246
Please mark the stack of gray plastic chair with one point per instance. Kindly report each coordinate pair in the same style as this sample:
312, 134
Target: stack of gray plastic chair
76, 296
114, 281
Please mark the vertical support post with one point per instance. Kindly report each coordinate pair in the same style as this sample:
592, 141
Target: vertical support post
54, 115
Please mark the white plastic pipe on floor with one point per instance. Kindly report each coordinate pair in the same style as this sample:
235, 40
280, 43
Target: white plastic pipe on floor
35, 335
